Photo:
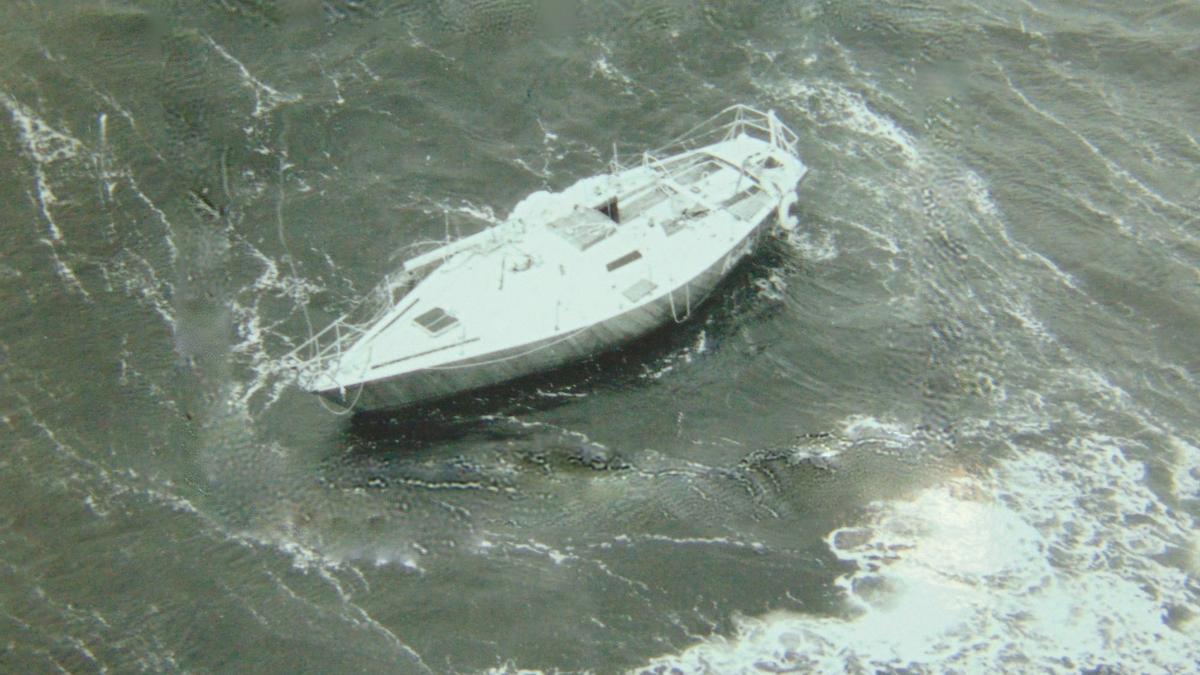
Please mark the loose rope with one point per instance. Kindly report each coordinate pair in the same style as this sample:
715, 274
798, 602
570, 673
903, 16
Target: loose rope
357, 395
291, 262
687, 289
345, 411
287, 251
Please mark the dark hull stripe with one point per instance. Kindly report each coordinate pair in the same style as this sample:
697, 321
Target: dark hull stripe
427, 351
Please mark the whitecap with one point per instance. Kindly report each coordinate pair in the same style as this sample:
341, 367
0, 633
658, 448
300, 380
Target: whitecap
1032, 568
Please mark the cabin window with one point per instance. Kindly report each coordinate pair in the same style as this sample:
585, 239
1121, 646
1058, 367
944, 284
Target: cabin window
610, 209
624, 260
436, 321
772, 163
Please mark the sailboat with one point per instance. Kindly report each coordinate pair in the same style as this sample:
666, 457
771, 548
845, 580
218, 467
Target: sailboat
567, 274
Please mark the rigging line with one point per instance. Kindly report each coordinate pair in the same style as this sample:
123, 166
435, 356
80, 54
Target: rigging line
287, 251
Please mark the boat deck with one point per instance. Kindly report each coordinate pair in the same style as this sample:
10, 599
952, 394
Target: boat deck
556, 276
630, 243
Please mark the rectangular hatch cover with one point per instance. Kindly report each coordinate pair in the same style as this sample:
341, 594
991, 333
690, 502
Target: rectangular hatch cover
436, 321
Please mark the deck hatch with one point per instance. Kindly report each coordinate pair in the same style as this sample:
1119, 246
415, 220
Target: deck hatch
624, 260
746, 204
585, 228
648, 199
436, 321
696, 174
640, 290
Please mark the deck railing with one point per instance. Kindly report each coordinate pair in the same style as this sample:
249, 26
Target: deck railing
323, 348
730, 123
314, 355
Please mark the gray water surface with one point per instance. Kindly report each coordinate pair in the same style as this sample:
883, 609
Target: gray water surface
950, 424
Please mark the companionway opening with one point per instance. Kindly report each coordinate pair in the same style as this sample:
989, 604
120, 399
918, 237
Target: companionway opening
611, 210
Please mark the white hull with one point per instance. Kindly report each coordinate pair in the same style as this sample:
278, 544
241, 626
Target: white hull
567, 276
547, 354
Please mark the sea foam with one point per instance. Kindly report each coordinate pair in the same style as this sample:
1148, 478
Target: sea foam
1028, 568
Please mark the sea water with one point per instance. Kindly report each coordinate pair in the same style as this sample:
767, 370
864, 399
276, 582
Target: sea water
950, 424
